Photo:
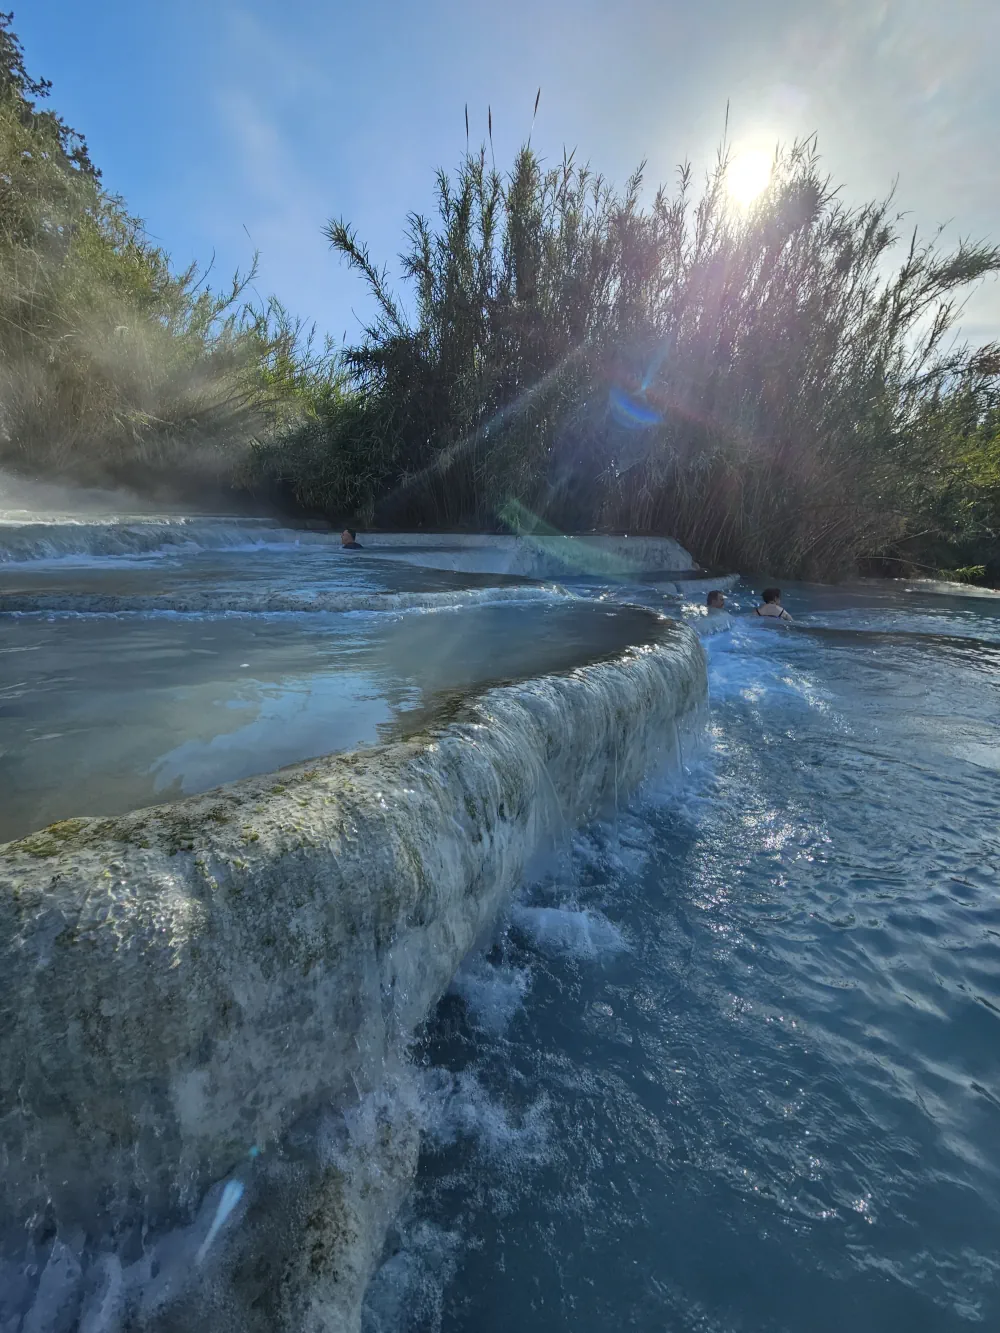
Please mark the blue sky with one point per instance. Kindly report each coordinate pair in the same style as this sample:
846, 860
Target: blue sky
229, 126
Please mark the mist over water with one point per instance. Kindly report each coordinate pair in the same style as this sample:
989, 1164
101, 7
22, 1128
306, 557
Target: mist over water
49, 500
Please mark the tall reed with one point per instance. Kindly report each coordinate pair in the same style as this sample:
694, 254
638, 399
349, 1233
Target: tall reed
748, 380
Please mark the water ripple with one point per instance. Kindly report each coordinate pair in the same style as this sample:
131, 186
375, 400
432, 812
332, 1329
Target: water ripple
778, 1108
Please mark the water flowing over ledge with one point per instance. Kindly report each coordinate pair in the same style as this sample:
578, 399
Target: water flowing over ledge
535, 557
61, 536
222, 990
228, 602
68, 538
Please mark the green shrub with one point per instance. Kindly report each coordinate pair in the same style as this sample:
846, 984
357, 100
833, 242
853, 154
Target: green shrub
780, 371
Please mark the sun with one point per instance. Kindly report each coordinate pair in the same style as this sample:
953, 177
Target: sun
747, 175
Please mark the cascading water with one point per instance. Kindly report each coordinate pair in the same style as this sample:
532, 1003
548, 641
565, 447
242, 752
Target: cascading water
209, 1115
717, 1055
59, 538
730, 1060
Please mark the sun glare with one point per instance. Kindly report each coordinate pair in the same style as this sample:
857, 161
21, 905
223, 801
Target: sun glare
747, 175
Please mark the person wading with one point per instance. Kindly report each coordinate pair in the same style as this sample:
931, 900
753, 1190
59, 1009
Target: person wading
771, 608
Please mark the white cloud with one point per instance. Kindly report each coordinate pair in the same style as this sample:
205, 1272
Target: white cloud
324, 115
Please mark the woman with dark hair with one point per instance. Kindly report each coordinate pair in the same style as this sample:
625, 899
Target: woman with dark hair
771, 608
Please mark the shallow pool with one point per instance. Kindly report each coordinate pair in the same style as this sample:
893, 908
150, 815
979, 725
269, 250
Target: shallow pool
102, 713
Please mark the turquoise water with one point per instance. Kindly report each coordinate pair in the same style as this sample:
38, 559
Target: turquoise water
277, 567
103, 713
732, 1060
144, 660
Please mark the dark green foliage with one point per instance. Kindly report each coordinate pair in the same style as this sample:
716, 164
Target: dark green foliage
21, 92
113, 367
790, 366
774, 386
952, 485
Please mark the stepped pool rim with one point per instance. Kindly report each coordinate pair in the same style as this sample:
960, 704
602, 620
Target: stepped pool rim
157, 966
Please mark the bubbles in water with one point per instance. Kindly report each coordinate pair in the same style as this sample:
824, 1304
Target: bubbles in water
457, 1106
408, 1290
754, 677
492, 994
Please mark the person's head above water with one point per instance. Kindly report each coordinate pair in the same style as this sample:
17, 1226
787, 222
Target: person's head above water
715, 600
771, 608
348, 537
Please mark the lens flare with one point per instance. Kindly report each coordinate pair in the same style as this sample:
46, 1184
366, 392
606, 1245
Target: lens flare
631, 412
747, 175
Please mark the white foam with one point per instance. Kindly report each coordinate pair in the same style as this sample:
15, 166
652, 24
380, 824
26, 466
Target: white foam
701, 587
564, 930
457, 1106
62, 540
492, 995
407, 1291
946, 588
740, 667
706, 624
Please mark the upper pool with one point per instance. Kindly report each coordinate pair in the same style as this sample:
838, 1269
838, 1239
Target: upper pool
102, 713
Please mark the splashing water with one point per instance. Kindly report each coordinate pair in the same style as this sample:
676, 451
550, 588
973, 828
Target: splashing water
231, 1196
776, 1108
